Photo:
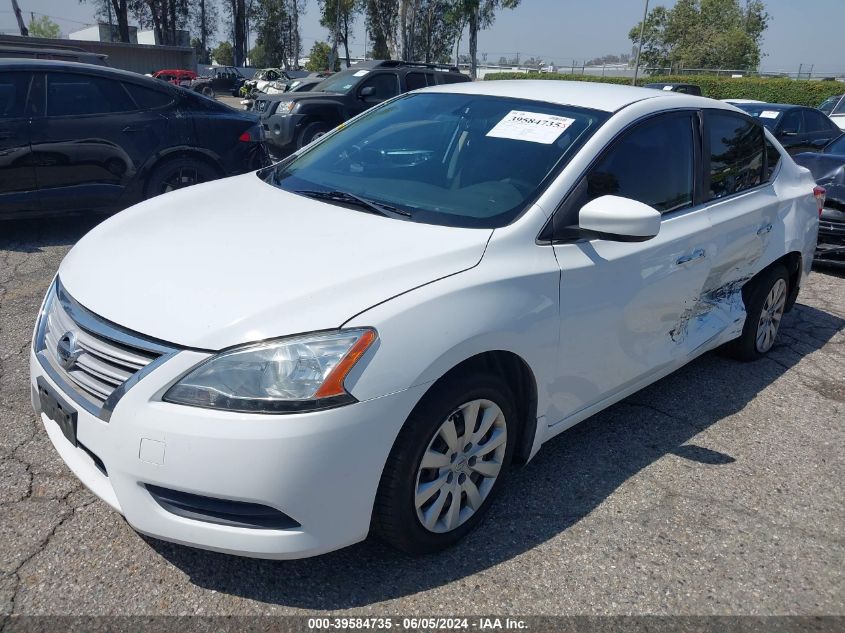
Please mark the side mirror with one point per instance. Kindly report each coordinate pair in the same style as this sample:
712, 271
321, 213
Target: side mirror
619, 219
367, 91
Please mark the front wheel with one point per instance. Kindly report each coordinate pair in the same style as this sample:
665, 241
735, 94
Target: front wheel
447, 464
312, 132
208, 91
765, 304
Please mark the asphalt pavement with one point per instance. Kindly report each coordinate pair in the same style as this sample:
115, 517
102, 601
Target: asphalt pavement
718, 490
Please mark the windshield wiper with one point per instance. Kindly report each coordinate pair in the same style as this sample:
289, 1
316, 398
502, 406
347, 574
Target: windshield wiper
350, 198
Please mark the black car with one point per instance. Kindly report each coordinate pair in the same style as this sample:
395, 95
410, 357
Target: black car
690, 89
293, 120
219, 80
798, 128
828, 167
79, 138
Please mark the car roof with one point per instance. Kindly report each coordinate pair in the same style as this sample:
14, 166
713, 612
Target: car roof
52, 64
584, 94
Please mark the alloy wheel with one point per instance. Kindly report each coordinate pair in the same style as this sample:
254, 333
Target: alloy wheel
770, 316
182, 177
460, 465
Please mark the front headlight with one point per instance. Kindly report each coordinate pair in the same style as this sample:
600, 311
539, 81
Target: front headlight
284, 107
301, 373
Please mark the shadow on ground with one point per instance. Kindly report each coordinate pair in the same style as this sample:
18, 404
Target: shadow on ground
30, 236
571, 476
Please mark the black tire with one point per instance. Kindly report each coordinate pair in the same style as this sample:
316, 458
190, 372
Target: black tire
395, 516
754, 295
207, 91
178, 173
312, 131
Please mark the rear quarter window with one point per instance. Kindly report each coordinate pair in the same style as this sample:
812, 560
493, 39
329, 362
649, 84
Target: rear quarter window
148, 98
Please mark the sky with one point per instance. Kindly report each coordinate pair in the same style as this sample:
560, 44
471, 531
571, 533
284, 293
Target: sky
801, 32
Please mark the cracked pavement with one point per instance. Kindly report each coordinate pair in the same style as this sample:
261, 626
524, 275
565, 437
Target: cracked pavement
718, 490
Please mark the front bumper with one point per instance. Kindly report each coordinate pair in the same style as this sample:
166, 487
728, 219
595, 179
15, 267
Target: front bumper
280, 132
321, 469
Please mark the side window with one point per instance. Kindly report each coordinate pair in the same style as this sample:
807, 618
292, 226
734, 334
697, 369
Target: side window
791, 123
147, 98
772, 160
653, 164
386, 85
736, 154
817, 122
13, 89
414, 81
75, 95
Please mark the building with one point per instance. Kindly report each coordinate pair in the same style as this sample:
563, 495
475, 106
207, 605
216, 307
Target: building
183, 38
100, 33
140, 58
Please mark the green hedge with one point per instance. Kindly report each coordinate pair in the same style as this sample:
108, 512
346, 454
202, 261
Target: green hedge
798, 92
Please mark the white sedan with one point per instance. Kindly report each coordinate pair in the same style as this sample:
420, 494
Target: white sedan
367, 334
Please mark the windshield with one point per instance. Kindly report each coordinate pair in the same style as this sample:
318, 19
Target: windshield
765, 114
827, 105
341, 82
449, 159
840, 107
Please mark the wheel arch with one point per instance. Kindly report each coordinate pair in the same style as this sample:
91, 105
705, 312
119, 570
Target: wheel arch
517, 373
793, 262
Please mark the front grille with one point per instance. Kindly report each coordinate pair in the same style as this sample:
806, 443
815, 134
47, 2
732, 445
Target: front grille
93, 361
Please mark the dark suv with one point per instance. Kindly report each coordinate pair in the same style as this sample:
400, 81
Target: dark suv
293, 120
80, 138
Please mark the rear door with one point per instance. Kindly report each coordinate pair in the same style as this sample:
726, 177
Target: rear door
18, 194
739, 164
93, 141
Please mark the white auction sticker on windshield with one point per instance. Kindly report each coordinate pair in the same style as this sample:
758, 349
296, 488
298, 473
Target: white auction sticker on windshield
361, 73
531, 126
769, 114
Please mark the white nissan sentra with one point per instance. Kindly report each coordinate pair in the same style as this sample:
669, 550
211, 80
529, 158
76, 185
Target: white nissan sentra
364, 336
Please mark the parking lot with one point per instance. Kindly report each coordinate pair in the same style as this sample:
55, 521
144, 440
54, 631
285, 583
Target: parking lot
718, 490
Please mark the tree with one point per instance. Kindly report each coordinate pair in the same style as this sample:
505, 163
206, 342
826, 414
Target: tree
383, 25
119, 12
318, 58
223, 54
338, 16
204, 16
166, 17
480, 14
273, 35
703, 34
44, 27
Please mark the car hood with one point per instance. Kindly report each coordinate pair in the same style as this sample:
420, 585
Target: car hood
238, 260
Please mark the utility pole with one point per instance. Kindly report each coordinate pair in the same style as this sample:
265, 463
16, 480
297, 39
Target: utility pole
21, 25
640, 47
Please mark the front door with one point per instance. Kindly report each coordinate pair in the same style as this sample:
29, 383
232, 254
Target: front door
629, 309
18, 195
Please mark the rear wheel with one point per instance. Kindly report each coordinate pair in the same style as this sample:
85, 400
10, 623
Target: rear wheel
178, 173
447, 464
208, 91
765, 303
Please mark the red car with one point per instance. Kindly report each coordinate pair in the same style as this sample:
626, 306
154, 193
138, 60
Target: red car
176, 77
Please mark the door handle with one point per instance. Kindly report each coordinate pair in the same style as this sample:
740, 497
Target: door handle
764, 229
132, 128
697, 255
